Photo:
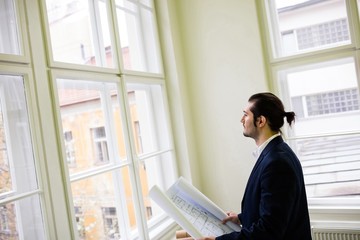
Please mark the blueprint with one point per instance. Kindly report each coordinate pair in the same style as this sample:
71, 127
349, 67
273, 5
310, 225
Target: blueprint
192, 210
206, 222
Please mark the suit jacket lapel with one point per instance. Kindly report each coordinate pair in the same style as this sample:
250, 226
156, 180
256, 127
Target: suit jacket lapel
270, 145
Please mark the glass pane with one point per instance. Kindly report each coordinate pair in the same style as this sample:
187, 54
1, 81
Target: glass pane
149, 125
331, 165
158, 170
99, 212
90, 114
9, 34
17, 167
22, 220
80, 33
326, 100
305, 26
137, 29
358, 7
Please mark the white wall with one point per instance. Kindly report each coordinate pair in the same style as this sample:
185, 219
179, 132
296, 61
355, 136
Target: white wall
214, 62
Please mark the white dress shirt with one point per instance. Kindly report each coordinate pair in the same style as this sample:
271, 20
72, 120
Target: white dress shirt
259, 149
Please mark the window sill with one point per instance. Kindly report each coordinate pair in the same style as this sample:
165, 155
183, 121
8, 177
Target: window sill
334, 209
165, 230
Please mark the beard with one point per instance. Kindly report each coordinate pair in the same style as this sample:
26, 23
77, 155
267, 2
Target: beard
246, 134
251, 133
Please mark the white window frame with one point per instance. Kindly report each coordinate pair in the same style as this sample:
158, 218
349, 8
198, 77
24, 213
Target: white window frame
142, 49
36, 63
24, 51
272, 35
14, 196
278, 64
99, 50
163, 181
146, 229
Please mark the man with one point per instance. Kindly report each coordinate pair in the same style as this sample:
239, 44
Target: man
274, 205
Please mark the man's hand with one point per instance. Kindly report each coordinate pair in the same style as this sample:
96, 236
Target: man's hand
232, 217
206, 238
190, 238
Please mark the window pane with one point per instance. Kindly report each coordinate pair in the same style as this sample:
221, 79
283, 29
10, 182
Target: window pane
305, 26
99, 212
79, 32
17, 167
103, 197
9, 34
90, 112
325, 97
331, 165
22, 220
154, 171
149, 125
137, 29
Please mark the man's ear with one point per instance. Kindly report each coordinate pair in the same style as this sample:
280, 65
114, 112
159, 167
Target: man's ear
261, 121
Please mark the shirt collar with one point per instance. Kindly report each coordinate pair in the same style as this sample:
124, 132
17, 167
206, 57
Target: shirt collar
259, 149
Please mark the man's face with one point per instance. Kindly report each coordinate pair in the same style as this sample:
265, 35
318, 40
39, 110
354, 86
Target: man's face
248, 123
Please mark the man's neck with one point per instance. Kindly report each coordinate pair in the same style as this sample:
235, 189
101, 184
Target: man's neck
264, 137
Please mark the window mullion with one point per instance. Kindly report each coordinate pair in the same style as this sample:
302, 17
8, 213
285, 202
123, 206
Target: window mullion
114, 156
135, 178
97, 32
118, 58
354, 21
141, 33
127, 130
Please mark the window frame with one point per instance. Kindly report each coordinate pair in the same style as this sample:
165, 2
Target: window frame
275, 65
70, 178
272, 42
133, 160
35, 138
23, 39
118, 67
36, 62
141, 21
93, 13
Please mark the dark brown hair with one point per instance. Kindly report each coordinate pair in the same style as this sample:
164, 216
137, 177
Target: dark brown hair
270, 106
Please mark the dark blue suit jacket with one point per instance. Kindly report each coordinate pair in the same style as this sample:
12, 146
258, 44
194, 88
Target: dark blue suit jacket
274, 206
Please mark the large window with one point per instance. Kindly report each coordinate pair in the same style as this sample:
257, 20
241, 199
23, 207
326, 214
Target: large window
84, 125
111, 104
314, 65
